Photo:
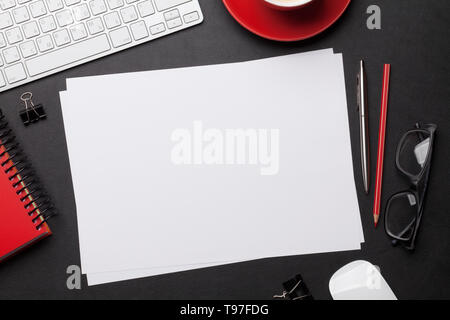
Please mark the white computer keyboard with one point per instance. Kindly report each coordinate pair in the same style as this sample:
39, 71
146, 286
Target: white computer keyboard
42, 37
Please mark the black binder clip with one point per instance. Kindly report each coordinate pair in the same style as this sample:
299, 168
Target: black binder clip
31, 113
295, 289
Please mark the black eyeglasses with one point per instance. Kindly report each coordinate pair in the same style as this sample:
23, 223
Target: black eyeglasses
404, 209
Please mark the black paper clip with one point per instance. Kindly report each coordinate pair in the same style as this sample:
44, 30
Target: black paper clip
295, 289
31, 113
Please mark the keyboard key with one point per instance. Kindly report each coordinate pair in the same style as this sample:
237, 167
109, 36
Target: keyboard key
81, 12
162, 5
174, 23
97, 7
68, 55
11, 55
114, 4
55, 5
14, 35
129, 14
64, 18
45, 43
7, 4
61, 37
169, 15
112, 20
2, 79
78, 32
71, 2
31, 29
2, 40
120, 37
5, 20
47, 24
38, 9
95, 26
139, 30
15, 73
28, 49
21, 14
190, 17
158, 28
145, 8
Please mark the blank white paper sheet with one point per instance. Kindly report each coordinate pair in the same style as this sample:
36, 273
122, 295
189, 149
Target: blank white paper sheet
195, 167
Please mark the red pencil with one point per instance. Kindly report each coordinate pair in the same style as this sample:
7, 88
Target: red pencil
381, 143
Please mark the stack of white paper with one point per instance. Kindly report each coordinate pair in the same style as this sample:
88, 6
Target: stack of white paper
189, 168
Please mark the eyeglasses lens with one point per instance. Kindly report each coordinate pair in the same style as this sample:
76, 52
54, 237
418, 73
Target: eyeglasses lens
414, 151
402, 215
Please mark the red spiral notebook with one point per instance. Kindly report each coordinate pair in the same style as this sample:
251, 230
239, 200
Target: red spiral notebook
24, 208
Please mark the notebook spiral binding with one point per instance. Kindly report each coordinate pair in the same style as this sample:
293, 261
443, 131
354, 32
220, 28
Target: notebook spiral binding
22, 178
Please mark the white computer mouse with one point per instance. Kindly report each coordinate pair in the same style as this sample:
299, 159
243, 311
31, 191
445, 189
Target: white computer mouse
360, 280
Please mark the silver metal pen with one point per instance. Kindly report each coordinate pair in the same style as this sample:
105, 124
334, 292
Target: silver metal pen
363, 125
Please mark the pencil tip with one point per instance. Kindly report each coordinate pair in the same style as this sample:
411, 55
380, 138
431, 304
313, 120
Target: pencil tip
375, 219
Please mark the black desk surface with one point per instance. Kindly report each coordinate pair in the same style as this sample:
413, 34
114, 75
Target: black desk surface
414, 39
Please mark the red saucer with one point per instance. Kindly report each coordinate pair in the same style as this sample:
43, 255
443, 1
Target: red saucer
279, 25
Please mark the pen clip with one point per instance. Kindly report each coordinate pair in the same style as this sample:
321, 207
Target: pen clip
358, 91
